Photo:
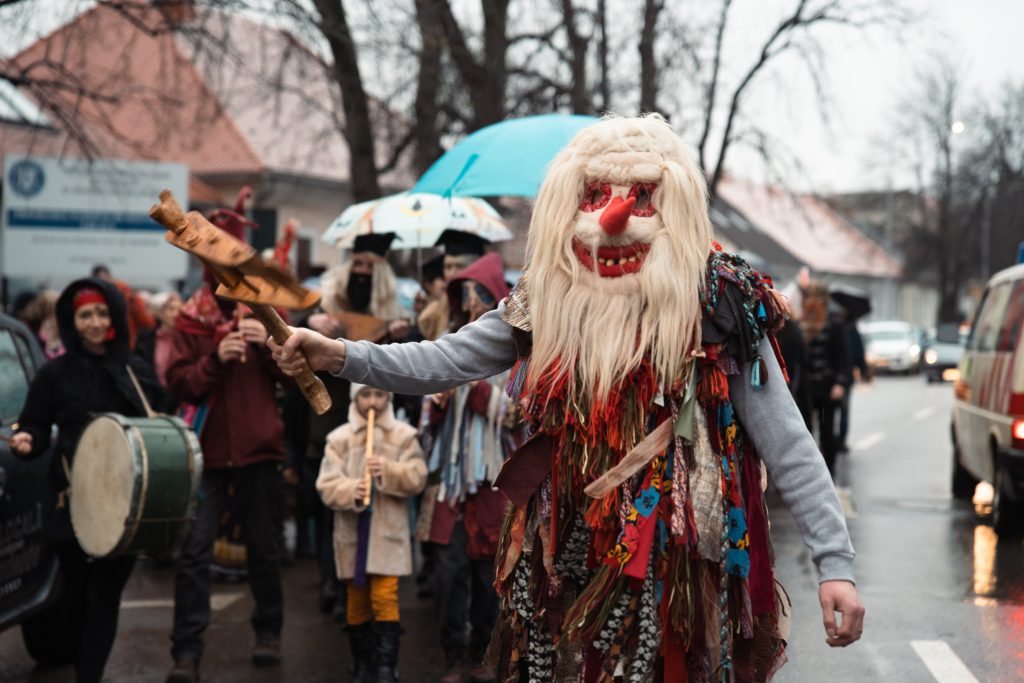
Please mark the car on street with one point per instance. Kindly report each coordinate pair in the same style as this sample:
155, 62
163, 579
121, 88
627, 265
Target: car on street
943, 350
29, 572
891, 346
988, 411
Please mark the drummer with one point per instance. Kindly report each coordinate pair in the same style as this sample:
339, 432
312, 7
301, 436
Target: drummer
90, 378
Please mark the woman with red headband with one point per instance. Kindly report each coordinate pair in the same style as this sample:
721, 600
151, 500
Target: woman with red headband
90, 378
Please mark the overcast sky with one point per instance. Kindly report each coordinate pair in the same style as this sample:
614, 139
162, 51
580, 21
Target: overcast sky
869, 76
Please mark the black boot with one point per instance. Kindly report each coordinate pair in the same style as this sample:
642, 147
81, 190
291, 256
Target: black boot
360, 639
328, 595
387, 634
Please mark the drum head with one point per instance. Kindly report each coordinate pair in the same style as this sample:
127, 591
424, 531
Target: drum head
102, 486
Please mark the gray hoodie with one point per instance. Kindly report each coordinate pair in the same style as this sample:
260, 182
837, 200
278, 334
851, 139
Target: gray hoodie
769, 415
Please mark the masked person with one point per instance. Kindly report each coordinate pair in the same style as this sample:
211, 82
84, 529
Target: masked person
460, 250
92, 377
365, 284
430, 323
470, 432
644, 361
829, 373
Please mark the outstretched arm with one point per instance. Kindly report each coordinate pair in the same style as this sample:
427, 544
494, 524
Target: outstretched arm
773, 421
479, 350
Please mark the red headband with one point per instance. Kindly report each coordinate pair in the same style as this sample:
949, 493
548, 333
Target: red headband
88, 295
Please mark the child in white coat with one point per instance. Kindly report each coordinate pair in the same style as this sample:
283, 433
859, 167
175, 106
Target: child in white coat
372, 542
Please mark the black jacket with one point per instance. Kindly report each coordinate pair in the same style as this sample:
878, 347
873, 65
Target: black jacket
70, 390
828, 361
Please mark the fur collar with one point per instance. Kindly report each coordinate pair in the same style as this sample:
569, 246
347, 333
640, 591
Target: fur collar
385, 419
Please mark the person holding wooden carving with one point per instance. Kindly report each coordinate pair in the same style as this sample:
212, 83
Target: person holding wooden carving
371, 465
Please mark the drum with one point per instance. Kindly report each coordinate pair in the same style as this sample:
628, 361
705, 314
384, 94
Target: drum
133, 485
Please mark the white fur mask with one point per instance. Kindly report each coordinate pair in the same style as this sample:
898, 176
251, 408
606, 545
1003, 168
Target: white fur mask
605, 293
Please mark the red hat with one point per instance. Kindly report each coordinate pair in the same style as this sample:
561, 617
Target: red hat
86, 296
234, 222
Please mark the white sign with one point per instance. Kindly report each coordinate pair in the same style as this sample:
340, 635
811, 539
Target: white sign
63, 216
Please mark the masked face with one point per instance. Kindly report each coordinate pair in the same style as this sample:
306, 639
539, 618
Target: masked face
360, 287
618, 245
615, 227
476, 300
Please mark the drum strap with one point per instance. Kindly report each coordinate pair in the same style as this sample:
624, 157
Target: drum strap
138, 387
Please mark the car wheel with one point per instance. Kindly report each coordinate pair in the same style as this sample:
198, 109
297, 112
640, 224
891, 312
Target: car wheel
49, 635
1007, 515
964, 482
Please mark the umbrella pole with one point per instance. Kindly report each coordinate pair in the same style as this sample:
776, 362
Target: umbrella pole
419, 261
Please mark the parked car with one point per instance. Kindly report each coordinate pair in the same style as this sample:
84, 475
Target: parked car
29, 571
988, 413
942, 353
891, 346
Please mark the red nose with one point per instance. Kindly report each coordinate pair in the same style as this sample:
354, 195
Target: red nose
616, 215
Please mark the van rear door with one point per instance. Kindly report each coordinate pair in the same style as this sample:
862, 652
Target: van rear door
982, 365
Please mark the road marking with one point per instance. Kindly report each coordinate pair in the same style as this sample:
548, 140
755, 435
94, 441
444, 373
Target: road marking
869, 441
924, 413
218, 601
942, 662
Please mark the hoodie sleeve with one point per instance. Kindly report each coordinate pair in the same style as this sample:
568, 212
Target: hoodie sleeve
775, 425
479, 350
37, 414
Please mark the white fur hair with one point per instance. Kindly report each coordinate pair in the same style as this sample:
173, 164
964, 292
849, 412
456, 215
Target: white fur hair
601, 328
383, 294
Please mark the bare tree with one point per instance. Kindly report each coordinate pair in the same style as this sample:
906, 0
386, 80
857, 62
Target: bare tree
951, 197
358, 128
426, 112
798, 33
648, 63
486, 75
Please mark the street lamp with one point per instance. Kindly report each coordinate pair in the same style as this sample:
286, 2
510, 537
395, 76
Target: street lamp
958, 127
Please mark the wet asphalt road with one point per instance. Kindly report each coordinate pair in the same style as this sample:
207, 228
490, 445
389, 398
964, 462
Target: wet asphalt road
945, 599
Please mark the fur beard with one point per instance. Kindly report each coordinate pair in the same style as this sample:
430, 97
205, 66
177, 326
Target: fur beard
599, 329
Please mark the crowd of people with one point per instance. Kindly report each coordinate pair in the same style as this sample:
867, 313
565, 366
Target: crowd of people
385, 477
427, 492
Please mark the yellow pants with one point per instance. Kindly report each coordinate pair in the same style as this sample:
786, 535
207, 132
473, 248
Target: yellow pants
377, 601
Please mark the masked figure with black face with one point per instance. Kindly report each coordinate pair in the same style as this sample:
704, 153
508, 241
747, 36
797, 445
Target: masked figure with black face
363, 284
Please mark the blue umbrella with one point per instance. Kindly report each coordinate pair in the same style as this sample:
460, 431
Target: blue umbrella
508, 158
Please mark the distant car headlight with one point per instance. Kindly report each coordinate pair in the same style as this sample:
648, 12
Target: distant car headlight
915, 351
931, 357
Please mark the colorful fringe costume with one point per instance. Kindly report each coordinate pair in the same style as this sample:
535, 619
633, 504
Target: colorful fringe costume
668, 575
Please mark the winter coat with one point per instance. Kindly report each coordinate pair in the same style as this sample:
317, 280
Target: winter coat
828, 362
243, 425
480, 508
405, 473
71, 389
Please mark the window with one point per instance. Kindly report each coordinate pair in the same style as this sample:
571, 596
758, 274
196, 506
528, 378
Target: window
1010, 332
13, 379
990, 318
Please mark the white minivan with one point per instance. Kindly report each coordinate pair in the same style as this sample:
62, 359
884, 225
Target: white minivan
988, 413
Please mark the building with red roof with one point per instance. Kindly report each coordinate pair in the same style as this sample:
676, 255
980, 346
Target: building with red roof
239, 102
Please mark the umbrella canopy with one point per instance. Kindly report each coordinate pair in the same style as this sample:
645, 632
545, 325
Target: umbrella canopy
417, 219
509, 158
855, 302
